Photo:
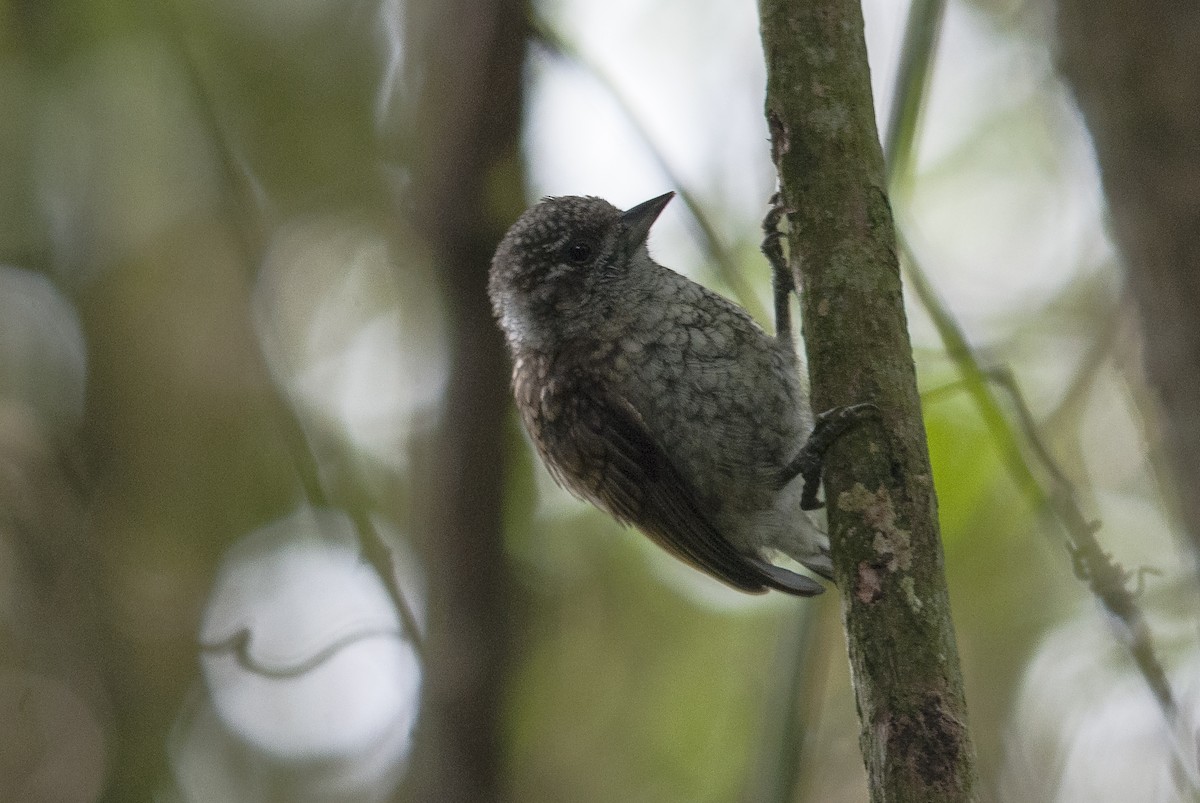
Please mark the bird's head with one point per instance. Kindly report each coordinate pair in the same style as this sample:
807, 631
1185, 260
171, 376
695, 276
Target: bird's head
555, 259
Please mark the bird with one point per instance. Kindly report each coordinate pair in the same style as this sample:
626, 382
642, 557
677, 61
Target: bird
660, 401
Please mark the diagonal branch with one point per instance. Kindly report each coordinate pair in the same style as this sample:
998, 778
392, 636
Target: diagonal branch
1106, 579
247, 213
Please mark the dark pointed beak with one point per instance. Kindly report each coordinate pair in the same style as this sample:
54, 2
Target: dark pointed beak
637, 221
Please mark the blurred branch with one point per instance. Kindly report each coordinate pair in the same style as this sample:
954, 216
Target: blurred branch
886, 546
974, 377
467, 186
1135, 76
245, 192
1106, 578
921, 33
1098, 353
726, 267
908, 98
1108, 581
244, 196
798, 677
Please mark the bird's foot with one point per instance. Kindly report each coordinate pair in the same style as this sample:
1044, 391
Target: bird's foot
829, 426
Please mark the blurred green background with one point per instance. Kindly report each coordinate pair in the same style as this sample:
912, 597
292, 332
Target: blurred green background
243, 254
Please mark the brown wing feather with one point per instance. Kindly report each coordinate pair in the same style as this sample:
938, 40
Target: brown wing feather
598, 446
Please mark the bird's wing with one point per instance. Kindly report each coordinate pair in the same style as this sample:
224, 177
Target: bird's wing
598, 446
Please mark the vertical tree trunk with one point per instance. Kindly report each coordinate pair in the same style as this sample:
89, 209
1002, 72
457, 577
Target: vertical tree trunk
467, 188
882, 507
1135, 70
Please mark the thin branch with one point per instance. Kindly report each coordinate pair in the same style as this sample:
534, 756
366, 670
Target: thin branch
921, 33
1108, 581
787, 725
239, 644
974, 377
1097, 355
246, 195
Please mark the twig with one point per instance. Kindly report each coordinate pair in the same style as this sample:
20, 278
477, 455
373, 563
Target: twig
1107, 579
239, 645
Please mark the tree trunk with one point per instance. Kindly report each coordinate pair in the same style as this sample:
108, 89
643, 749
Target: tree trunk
470, 54
882, 507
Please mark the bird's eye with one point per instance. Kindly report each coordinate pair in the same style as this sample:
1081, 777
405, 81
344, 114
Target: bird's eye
579, 252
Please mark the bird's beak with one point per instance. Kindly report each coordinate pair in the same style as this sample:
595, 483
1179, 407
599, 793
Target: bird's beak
637, 221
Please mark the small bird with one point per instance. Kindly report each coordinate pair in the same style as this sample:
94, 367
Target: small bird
658, 400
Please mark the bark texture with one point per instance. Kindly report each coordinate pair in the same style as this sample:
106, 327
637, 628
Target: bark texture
1135, 71
882, 506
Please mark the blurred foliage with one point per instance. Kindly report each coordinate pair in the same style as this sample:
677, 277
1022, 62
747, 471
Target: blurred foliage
618, 674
